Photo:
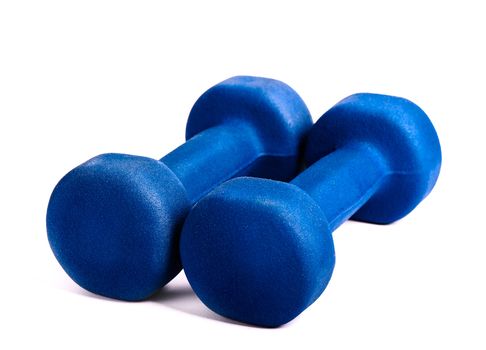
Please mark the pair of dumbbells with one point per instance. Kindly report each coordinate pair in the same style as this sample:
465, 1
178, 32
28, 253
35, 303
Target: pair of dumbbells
254, 249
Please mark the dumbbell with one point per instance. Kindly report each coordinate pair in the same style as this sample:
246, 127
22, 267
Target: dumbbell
114, 222
260, 251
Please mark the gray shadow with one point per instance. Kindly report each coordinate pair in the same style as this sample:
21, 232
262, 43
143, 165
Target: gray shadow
178, 295
75, 289
182, 298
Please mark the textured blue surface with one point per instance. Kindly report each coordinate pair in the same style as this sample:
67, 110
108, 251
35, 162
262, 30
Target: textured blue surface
390, 142
256, 251
260, 251
113, 222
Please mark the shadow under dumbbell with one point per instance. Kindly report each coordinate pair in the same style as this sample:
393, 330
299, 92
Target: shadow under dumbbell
71, 287
178, 295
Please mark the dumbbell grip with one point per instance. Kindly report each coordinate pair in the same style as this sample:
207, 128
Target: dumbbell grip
343, 181
212, 157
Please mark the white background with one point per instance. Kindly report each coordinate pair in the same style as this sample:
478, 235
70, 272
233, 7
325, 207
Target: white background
87, 77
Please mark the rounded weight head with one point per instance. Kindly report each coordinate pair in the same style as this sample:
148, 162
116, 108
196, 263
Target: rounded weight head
257, 251
110, 224
275, 111
401, 132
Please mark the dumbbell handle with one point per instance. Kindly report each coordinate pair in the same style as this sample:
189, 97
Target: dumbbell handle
343, 181
213, 156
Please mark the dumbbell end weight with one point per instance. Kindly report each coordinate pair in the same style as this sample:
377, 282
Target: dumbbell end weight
110, 225
257, 251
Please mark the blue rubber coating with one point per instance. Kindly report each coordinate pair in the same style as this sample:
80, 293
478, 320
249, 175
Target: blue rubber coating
399, 135
114, 222
109, 218
260, 251
256, 251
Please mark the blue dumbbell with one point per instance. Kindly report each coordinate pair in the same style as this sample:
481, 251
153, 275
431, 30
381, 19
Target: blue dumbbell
261, 251
113, 222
